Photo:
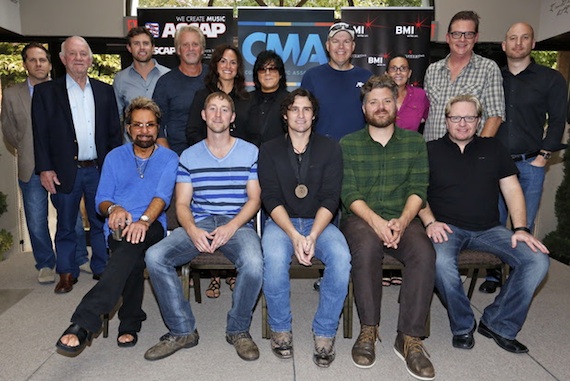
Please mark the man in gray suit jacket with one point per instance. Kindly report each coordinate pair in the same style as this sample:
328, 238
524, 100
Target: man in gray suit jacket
17, 128
76, 123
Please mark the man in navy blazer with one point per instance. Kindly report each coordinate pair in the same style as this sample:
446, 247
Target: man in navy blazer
75, 123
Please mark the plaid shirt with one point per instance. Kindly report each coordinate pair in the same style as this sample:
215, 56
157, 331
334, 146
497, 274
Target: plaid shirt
384, 176
481, 77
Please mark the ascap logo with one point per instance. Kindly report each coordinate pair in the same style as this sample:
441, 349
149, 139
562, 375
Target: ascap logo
311, 50
210, 29
164, 50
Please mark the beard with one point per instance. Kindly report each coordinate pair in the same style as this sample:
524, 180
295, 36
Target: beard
381, 121
144, 143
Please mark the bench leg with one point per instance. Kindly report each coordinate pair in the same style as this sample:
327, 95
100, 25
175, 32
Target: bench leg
197, 288
347, 312
473, 274
264, 324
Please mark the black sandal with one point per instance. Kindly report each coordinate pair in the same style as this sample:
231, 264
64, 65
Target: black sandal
127, 344
83, 335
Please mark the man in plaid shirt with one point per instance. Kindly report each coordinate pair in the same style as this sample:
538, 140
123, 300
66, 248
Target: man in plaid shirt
464, 72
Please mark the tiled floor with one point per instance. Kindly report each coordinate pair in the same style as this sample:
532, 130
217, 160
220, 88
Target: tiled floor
32, 317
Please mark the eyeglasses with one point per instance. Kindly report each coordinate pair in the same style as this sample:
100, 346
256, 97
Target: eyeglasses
458, 35
395, 69
269, 69
467, 119
140, 126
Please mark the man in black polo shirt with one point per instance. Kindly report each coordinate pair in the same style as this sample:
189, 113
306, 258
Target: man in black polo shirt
535, 96
466, 175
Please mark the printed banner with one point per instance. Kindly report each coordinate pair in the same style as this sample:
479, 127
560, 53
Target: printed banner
382, 33
216, 23
298, 35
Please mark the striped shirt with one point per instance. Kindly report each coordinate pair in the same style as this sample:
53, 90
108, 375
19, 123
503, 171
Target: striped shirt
480, 77
384, 176
219, 184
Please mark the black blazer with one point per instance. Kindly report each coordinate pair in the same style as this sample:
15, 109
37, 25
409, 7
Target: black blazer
55, 143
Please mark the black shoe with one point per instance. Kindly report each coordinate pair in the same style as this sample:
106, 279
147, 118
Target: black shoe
97, 276
465, 341
317, 284
83, 336
489, 286
508, 345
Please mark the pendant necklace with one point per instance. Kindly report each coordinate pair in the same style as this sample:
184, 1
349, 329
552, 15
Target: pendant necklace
141, 164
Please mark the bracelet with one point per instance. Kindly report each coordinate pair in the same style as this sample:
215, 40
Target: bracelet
522, 228
428, 224
111, 208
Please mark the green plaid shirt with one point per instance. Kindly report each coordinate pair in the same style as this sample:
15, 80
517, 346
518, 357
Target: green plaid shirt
384, 177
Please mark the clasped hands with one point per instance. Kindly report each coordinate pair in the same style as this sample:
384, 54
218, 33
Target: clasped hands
133, 232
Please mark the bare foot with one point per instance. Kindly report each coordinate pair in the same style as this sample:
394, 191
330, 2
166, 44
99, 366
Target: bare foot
126, 338
70, 340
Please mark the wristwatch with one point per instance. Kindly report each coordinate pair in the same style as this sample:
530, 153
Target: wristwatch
545, 155
145, 218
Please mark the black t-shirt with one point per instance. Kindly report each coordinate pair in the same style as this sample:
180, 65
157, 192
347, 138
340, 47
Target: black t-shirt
464, 187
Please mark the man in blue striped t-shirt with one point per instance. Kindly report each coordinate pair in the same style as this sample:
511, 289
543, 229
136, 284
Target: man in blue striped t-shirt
217, 195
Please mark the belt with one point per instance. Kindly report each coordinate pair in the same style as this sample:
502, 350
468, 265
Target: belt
87, 163
525, 156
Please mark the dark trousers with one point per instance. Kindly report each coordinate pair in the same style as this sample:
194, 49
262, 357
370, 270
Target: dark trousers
415, 251
124, 276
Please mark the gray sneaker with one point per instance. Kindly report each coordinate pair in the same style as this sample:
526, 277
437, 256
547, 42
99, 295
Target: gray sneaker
323, 354
244, 345
46, 275
282, 344
86, 268
169, 344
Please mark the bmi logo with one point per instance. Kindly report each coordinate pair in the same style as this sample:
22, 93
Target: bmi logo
409, 30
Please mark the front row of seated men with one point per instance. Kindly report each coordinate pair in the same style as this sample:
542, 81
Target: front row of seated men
381, 175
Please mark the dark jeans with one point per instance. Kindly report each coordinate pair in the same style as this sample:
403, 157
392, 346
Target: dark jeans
124, 276
415, 251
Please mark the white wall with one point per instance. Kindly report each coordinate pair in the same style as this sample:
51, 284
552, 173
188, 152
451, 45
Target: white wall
87, 18
496, 16
10, 16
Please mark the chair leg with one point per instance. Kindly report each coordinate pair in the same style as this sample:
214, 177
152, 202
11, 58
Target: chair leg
106, 325
473, 274
197, 288
185, 275
264, 324
347, 313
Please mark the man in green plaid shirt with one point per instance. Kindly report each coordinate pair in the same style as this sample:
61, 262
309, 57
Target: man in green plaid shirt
385, 185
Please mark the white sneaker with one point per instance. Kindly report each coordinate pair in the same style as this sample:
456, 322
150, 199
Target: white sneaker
46, 275
86, 268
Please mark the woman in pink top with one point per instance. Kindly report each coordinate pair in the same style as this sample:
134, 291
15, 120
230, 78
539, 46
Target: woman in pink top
413, 104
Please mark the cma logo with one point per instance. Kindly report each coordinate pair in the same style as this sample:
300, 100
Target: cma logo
210, 29
401, 29
311, 51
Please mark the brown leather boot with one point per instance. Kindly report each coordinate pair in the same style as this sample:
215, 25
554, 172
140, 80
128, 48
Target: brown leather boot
65, 284
363, 350
411, 350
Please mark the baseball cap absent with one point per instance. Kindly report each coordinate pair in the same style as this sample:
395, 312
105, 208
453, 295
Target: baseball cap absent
341, 27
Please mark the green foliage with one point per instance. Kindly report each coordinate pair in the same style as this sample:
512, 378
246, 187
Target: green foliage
558, 241
6, 239
546, 58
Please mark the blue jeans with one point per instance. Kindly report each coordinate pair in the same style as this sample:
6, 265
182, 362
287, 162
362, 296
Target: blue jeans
35, 199
532, 180
67, 206
506, 315
331, 248
243, 250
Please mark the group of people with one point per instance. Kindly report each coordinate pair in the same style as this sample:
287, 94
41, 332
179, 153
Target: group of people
345, 142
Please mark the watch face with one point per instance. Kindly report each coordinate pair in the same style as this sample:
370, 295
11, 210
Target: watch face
145, 218
546, 155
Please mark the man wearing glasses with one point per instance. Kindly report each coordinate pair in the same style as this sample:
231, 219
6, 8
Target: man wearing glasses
464, 72
467, 173
336, 85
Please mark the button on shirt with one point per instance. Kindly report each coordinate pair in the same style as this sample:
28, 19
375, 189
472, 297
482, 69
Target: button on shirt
82, 105
531, 96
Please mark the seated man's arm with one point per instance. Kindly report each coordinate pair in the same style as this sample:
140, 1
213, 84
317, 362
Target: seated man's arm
222, 234
514, 198
200, 238
435, 230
